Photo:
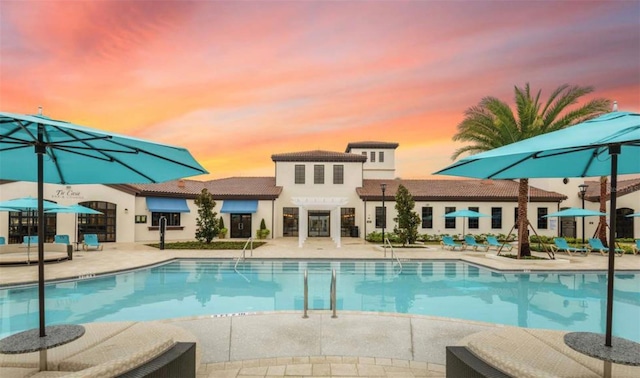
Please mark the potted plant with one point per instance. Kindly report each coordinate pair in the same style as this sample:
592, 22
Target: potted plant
262, 232
222, 230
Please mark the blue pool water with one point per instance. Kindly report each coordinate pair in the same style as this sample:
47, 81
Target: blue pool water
560, 300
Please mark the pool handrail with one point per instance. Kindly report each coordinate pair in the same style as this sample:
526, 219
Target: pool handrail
393, 254
243, 257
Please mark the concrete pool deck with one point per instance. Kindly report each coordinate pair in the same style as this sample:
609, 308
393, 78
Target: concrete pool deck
284, 344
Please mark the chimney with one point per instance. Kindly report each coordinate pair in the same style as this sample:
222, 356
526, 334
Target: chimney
181, 183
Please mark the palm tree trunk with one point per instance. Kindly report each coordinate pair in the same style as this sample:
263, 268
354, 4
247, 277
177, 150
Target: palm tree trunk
602, 224
523, 222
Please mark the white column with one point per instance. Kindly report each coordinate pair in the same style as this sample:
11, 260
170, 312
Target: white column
302, 226
335, 227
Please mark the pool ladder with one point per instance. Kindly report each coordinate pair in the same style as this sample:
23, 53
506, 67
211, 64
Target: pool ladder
332, 295
243, 256
393, 255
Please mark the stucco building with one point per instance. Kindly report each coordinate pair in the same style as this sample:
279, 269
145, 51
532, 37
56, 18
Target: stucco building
330, 194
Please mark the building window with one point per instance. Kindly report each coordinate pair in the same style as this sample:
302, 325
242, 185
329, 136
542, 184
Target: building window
449, 222
103, 225
338, 174
381, 217
373, 156
299, 174
290, 221
542, 222
473, 222
381, 156
25, 223
173, 219
348, 221
427, 217
496, 217
318, 174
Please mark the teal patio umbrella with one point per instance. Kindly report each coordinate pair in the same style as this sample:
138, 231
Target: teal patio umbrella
40, 149
465, 214
574, 212
634, 215
603, 146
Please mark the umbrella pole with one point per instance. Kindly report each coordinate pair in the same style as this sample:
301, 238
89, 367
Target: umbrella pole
614, 150
40, 150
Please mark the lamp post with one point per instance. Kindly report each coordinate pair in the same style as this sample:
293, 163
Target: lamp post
583, 191
383, 187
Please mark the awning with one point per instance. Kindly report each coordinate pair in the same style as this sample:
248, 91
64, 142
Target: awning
167, 205
239, 206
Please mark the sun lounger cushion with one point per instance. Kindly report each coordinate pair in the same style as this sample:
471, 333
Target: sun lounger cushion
536, 353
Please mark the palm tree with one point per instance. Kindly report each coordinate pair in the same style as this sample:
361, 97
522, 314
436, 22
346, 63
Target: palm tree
492, 124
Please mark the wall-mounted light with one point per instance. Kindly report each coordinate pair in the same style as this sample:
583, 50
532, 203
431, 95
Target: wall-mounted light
126, 211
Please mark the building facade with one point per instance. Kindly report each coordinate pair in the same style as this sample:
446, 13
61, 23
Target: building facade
324, 194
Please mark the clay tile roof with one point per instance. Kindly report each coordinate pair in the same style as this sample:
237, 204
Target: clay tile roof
371, 144
624, 187
244, 187
319, 156
174, 188
455, 190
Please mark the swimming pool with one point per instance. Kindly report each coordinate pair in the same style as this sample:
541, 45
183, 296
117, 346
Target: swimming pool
554, 300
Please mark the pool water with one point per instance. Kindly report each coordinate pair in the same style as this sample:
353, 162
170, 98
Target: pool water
554, 300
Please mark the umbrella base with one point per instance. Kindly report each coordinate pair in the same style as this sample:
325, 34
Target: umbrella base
30, 341
621, 351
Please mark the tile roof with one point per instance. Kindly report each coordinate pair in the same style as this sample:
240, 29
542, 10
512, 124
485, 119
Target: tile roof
244, 187
455, 190
174, 188
371, 144
623, 187
319, 155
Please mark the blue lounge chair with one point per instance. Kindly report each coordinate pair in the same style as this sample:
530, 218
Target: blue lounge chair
595, 244
561, 245
33, 239
470, 241
636, 248
447, 242
61, 239
91, 241
2, 241
492, 242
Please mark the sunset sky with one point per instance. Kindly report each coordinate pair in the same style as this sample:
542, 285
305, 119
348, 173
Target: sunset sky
235, 82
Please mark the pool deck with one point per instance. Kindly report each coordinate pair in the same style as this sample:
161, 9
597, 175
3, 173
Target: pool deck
284, 344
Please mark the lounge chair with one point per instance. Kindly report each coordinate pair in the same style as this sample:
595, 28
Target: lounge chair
470, 241
447, 242
2, 241
595, 244
61, 239
91, 241
636, 248
492, 242
33, 239
561, 245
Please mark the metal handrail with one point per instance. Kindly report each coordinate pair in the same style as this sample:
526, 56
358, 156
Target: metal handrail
333, 293
306, 294
393, 255
243, 256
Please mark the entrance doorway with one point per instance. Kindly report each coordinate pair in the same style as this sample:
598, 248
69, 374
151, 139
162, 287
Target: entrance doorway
319, 223
241, 226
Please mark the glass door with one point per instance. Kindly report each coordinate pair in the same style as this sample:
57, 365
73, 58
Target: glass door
241, 226
318, 223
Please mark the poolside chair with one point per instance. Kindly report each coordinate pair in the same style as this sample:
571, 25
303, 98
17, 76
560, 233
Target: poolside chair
492, 242
33, 239
447, 242
636, 248
595, 244
91, 241
61, 239
470, 241
2, 241
561, 245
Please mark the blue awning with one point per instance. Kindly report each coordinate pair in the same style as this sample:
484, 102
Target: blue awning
239, 206
167, 205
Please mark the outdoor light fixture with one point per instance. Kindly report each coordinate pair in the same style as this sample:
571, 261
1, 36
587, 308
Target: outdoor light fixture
583, 191
383, 187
